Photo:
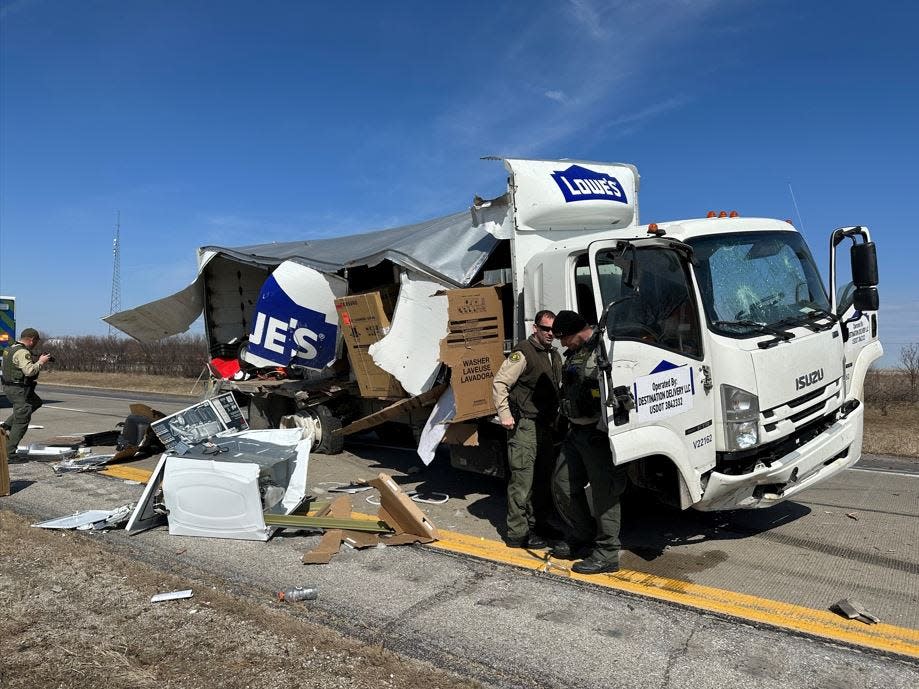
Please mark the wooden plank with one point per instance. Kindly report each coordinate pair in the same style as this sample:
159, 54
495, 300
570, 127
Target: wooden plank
299, 521
394, 410
4, 466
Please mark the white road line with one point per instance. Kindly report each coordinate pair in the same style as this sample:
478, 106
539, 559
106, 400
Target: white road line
885, 471
86, 411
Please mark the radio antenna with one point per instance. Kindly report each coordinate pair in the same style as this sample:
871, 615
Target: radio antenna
797, 210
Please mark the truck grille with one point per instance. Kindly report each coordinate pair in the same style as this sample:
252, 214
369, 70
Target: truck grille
785, 419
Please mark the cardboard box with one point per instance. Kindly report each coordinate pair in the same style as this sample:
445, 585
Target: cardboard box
473, 348
363, 321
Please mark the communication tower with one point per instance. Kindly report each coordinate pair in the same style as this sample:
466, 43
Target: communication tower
116, 271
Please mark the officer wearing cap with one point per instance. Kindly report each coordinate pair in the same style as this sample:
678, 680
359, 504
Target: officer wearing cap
20, 375
525, 393
585, 457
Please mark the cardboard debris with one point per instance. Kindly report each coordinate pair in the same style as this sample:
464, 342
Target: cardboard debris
406, 519
473, 348
408, 522
364, 322
330, 542
853, 610
466, 434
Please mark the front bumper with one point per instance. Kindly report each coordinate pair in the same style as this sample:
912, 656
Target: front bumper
834, 450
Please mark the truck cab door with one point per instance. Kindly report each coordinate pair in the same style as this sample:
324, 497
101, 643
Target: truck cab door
657, 395
856, 306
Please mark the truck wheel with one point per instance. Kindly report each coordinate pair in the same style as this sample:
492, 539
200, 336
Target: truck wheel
330, 443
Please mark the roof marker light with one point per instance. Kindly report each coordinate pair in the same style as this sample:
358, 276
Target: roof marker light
655, 230
723, 214
734, 214
711, 214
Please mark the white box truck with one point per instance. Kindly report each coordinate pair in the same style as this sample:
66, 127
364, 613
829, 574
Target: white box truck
734, 376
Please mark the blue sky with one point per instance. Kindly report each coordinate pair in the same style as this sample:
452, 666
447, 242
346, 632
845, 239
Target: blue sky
237, 122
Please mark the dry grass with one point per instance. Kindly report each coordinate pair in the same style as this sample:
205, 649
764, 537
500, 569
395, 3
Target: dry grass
894, 434
125, 381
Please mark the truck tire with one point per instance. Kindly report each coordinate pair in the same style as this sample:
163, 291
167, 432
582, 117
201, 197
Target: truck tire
330, 443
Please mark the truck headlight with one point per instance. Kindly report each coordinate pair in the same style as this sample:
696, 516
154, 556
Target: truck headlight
741, 418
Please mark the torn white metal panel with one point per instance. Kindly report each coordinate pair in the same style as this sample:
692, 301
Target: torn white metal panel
77, 520
494, 216
411, 349
145, 515
213, 499
164, 317
436, 426
295, 320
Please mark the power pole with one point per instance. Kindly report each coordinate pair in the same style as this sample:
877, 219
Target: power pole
116, 272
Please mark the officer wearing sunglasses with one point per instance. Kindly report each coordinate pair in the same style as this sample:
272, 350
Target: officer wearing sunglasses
525, 392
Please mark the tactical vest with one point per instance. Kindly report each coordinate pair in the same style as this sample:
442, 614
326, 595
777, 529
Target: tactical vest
580, 397
535, 394
14, 374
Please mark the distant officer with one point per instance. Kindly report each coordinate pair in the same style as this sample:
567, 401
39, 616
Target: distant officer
20, 375
585, 457
525, 392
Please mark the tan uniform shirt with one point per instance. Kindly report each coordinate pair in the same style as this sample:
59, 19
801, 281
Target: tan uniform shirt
22, 359
512, 368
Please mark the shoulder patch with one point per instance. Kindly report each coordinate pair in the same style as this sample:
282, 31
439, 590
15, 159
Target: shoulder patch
515, 357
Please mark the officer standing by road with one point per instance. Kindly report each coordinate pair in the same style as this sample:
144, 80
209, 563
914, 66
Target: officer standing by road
525, 392
585, 457
20, 375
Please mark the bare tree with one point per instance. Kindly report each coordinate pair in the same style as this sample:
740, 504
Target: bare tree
909, 364
877, 392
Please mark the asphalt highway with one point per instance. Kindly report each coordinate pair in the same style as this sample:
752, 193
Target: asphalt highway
702, 601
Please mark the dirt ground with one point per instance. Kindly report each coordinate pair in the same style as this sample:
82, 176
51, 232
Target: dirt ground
75, 615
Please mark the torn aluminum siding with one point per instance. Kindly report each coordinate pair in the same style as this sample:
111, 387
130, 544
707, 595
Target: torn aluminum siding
451, 249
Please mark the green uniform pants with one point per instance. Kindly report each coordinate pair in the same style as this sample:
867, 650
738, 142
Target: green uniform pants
586, 458
25, 402
529, 449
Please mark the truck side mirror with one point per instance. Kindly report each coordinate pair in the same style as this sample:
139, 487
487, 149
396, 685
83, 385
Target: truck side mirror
866, 299
864, 258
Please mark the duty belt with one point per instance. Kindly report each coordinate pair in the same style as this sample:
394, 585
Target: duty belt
21, 385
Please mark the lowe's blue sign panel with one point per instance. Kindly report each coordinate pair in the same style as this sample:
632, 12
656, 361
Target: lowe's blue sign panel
7, 321
561, 195
295, 319
581, 184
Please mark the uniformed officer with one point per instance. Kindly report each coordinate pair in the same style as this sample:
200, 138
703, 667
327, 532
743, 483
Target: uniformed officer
525, 392
585, 457
20, 375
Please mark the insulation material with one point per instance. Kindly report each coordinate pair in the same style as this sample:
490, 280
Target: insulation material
295, 320
436, 426
473, 349
364, 322
411, 349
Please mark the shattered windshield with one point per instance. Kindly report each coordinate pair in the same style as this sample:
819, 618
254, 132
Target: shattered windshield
756, 279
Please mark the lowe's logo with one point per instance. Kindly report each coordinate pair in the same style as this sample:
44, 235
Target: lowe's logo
580, 184
808, 379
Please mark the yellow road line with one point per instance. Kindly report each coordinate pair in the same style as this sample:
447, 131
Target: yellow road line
129, 473
884, 637
821, 623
